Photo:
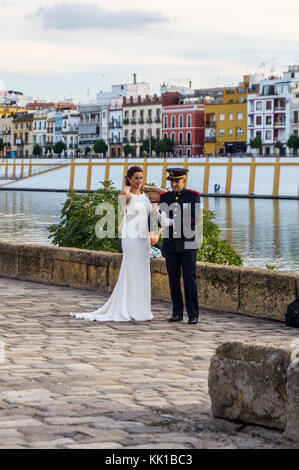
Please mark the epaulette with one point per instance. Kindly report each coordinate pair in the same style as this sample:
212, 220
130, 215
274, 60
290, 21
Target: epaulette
192, 191
162, 194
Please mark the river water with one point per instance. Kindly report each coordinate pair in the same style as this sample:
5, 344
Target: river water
263, 231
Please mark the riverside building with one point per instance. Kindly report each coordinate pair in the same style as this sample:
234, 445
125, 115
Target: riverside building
226, 120
273, 112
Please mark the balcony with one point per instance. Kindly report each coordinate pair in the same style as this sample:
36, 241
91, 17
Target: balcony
157, 120
210, 139
141, 121
149, 120
210, 124
126, 121
279, 124
133, 139
115, 124
280, 109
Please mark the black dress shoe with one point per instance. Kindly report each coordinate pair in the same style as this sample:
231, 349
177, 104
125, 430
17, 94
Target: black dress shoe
193, 321
175, 318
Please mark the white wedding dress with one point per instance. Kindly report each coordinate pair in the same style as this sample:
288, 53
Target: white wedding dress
131, 297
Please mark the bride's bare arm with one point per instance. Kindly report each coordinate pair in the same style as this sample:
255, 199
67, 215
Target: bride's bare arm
125, 191
154, 237
154, 189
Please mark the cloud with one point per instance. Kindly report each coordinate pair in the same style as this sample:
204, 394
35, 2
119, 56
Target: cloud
90, 16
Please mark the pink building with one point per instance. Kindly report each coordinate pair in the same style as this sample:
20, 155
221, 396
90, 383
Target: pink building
183, 123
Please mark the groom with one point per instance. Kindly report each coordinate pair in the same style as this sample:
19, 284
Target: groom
180, 212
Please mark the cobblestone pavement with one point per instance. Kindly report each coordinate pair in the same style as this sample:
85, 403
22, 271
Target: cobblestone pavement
68, 383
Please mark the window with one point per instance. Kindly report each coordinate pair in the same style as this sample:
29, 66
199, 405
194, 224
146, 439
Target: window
221, 117
188, 138
240, 116
173, 122
189, 120
295, 117
165, 135
180, 138
230, 132
268, 120
258, 134
251, 106
268, 104
230, 116
239, 131
158, 134
165, 122
173, 137
258, 120
259, 105
181, 121
268, 135
188, 152
221, 132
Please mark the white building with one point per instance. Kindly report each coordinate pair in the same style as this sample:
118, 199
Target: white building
273, 112
70, 132
106, 99
115, 127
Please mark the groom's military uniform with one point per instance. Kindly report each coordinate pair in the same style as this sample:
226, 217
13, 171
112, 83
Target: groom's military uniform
180, 247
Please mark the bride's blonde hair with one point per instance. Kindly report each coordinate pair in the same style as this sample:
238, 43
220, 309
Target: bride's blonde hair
130, 173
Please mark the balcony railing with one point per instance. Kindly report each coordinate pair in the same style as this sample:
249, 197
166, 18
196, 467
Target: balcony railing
133, 121
211, 124
126, 121
115, 124
157, 120
141, 121
210, 139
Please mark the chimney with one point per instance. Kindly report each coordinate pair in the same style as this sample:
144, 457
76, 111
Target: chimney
135, 81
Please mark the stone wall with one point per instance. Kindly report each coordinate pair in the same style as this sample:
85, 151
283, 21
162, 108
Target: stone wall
256, 292
257, 381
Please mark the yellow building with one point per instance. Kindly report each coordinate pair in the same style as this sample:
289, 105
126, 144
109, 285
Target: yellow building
22, 143
7, 110
226, 122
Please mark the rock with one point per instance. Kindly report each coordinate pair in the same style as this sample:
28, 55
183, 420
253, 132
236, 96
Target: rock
248, 381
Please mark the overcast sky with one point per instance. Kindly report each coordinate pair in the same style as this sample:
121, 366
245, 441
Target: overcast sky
60, 49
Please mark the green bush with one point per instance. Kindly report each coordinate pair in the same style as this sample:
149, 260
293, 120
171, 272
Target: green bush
78, 221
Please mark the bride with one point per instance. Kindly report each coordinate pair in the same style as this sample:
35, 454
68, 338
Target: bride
131, 297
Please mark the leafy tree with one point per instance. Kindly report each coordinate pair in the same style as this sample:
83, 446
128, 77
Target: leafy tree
48, 147
213, 249
37, 150
127, 149
78, 221
279, 145
256, 143
164, 146
87, 150
1, 145
293, 143
100, 146
146, 144
59, 147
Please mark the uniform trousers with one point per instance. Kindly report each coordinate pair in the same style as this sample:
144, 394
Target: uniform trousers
177, 263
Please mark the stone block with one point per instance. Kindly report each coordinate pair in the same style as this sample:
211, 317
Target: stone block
248, 381
35, 263
218, 286
114, 268
9, 259
159, 280
67, 273
266, 294
292, 420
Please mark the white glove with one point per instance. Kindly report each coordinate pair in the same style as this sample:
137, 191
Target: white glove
165, 221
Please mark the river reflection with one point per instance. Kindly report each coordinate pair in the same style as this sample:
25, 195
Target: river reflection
263, 231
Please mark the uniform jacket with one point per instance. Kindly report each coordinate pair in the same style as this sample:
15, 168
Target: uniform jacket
183, 208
